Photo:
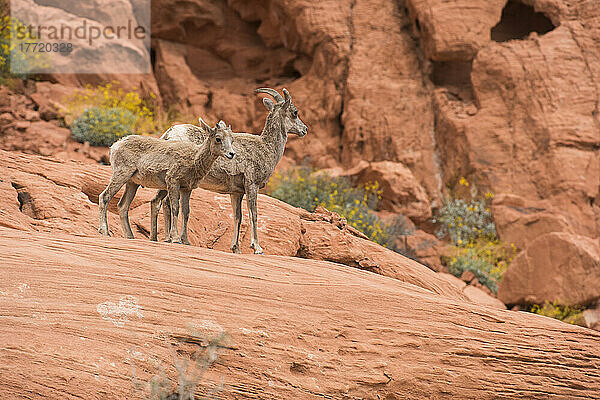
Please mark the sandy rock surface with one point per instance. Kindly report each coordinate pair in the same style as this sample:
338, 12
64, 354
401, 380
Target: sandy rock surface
55, 196
87, 309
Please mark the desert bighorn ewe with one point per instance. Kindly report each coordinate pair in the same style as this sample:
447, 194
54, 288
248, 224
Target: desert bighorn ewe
257, 156
168, 165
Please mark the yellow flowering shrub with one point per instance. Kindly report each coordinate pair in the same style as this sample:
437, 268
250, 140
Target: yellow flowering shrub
304, 187
569, 314
475, 246
11, 56
107, 97
103, 126
487, 259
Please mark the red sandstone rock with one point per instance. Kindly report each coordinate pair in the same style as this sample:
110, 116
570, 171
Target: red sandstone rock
518, 117
62, 197
556, 267
519, 221
475, 294
400, 192
89, 309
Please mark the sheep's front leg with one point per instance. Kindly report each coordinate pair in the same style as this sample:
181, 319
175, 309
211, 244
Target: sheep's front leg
185, 211
236, 205
124, 204
252, 193
174, 203
154, 208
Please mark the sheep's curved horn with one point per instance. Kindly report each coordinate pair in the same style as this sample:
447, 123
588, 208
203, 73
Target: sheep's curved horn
288, 98
287, 95
271, 92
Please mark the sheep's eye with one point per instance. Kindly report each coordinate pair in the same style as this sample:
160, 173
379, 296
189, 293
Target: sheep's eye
295, 113
218, 140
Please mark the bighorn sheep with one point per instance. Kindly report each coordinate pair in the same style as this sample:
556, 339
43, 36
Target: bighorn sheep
172, 166
257, 157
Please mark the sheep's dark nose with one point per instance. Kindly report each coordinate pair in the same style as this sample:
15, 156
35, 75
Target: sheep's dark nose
230, 155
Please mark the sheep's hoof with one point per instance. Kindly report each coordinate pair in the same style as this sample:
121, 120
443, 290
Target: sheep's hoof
177, 240
167, 240
236, 249
103, 231
257, 249
185, 241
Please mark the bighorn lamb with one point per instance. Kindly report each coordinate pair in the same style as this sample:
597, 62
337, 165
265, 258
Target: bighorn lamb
168, 165
257, 157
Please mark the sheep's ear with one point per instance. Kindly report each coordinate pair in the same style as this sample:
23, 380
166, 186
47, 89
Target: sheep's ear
268, 103
204, 125
222, 125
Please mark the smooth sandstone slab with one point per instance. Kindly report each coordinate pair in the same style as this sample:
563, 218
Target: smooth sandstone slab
77, 312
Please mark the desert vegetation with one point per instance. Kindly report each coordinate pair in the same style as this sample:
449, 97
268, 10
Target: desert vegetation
569, 314
192, 355
103, 114
308, 188
475, 247
11, 60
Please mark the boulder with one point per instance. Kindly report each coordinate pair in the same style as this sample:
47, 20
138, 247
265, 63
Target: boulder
556, 267
520, 221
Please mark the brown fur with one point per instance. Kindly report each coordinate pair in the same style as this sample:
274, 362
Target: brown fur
257, 156
176, 167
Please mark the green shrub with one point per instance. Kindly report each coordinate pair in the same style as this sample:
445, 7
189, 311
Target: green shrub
475, 245
569, 314
149, 116
487, 260
12, 59
103, 126
304, 187
465, 221
107, 97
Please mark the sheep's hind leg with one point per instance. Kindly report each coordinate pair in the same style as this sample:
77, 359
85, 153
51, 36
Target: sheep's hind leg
252, 193
236, 204
174, 203
116, 182
124, 204
185, 212
154, 208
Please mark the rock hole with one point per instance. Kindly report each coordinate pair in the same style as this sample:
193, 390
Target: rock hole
24, 199
455, 76
518, 21
291, 72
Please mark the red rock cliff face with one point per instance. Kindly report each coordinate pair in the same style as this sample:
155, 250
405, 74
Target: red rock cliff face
422, 92
504, 92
